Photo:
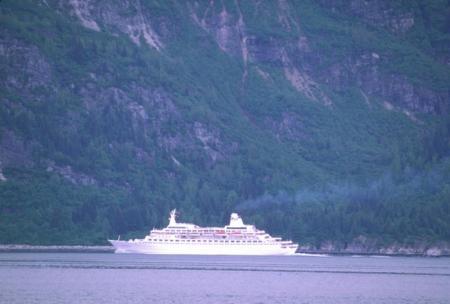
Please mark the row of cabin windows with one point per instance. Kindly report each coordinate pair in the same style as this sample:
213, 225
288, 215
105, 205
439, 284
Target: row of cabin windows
192, 230
206, 241
204, 230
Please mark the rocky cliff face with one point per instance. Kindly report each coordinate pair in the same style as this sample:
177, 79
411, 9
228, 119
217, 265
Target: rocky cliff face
131, 19
202, 104
300, 60
390, 15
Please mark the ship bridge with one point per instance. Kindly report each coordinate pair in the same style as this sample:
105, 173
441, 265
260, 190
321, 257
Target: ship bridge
173, 222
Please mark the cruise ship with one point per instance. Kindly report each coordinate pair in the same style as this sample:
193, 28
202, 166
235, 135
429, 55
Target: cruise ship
185, 238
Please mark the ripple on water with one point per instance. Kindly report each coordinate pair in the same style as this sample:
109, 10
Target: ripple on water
92, 278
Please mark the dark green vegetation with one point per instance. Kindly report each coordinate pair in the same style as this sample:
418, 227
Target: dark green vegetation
102, 136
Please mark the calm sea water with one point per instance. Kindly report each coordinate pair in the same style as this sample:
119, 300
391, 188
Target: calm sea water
128, 278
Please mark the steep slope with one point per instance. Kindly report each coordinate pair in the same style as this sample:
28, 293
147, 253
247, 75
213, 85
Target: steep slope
113, 113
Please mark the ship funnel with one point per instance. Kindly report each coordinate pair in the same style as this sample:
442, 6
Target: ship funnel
235, 220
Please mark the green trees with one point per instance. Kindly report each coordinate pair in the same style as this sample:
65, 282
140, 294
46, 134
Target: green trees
268, 141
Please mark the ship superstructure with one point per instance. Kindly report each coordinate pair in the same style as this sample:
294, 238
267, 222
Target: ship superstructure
185, 238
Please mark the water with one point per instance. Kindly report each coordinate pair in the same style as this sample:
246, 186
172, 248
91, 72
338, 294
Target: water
128, 278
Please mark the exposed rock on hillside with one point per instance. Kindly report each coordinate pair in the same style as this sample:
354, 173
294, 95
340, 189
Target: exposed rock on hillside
129, 18
300, 61
68, 173
386, 14
112, 113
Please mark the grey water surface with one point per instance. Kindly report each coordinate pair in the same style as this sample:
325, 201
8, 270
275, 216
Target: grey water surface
132, 278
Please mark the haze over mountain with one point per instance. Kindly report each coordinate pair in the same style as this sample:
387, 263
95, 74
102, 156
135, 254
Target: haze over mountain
324, 121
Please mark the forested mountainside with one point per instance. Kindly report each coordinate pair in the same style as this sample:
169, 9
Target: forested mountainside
323, 121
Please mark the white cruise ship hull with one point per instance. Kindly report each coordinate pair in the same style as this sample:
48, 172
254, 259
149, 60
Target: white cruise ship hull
201, 249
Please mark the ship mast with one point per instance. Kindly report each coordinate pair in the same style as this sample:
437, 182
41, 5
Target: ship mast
172, 218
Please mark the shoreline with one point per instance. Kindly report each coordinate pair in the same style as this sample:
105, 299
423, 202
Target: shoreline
10, 248
369, 253
56, 248
436, 250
